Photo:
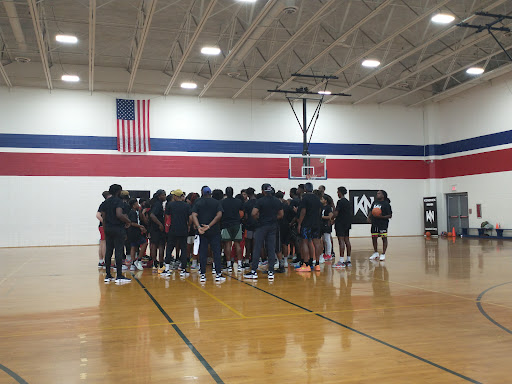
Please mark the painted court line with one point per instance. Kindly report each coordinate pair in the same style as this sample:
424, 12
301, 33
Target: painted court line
217, 299
483, 312
365, 334
14, 375
189, 344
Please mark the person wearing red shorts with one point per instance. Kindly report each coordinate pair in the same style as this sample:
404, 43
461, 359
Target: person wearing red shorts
101, 249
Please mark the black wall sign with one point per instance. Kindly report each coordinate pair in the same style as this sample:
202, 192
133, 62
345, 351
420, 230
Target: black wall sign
139, 194
430, 214
361, 201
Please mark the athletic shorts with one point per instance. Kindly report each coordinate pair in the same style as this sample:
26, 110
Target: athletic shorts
190, 240
233, 233
157, 237
138, 242
308, 233
342, 231
379, 230
249, 235
102, 233
285, 234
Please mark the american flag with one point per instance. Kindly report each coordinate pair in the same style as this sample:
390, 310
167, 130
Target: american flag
133, 125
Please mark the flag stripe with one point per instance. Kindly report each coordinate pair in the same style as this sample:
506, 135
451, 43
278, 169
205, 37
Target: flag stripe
133, 125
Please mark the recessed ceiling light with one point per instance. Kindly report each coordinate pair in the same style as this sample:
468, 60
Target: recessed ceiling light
370, 63
210, 50
66, 39
442, 18
324, 92
71, 78
247, 1
475, 71
189, 85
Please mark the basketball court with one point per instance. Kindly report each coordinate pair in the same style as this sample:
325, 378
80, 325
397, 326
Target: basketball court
436, 312
363, 99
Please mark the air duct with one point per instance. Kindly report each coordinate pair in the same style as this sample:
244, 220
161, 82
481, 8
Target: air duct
12, 14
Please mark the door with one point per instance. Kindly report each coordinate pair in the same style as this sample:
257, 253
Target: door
457, 208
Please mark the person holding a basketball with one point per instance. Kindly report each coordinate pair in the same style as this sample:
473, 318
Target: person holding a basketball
379, 215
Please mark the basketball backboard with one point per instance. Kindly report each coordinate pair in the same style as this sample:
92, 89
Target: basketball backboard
307, 167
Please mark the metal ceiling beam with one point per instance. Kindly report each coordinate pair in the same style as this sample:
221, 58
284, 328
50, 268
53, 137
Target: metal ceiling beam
423, 46
466, 85
40, 37
335, 44
385, 41
92, 42
4, 75
146, 12
239, 44
190, 45
286, 45
447, 75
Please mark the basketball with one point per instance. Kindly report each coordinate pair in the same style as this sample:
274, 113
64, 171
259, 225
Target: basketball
428, 234
376, 212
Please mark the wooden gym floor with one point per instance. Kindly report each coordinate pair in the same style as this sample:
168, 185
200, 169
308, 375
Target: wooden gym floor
434, 312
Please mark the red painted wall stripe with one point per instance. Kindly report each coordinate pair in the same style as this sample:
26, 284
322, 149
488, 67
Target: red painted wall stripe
58, 164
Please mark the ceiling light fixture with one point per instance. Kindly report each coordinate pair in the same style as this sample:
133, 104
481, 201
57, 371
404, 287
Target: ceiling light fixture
324, 92
247, 1
475, 71
71, 78
66, 39
370, 63
210, 50
189, 85
443, 18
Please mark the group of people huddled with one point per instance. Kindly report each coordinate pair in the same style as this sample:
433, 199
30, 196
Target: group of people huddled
266, 225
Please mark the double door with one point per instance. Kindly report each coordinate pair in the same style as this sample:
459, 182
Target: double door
457, 208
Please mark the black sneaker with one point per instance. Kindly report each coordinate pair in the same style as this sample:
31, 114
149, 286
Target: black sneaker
251, 275
123, 280
270, 275
101, 265
202, 279
220, 278
348, 264
108, 279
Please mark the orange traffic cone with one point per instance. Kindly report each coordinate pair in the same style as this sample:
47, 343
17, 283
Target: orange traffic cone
497, 225
453, 232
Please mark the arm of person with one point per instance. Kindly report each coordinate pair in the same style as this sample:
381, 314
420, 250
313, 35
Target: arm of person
301, 218
215, 220
99, 217
196, 223
121, 216
280, 214
328, 217
255, 213
155, 220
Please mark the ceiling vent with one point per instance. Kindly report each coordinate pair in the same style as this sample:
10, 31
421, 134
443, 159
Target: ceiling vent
22, 60
290, 7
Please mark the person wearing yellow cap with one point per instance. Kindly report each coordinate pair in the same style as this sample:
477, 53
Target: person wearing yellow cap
180, 214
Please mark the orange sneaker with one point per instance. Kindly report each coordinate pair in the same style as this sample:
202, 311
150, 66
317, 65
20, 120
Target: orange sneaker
304, 268
317, 267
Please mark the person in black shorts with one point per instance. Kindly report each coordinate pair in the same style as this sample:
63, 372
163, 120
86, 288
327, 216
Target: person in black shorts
101, 249
342, 225
157, 229
284, 230
135, 234
267, 211
380, 224
309, 224
180, 213
231, 227
326, 227
206, 216
114, 223
249, 223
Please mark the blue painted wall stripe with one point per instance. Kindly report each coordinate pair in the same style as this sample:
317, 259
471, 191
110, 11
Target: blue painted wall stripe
228, 146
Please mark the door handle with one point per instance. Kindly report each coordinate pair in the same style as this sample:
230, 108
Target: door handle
454, 217
463, 217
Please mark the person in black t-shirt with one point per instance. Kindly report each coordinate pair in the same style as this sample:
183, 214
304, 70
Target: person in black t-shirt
135, 235
101, 249
294, 235
125, 196
284, 230
206, 216
266, 211
114, 222
231, 226
326, 226
380, 223
156, 229
249, 223
342, 225
180, 213
309, 224
192, 233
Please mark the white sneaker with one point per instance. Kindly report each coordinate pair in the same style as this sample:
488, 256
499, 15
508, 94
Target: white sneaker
132, 267
286, 263
382, 257
375, 256
220, 278
203, 279
138, 265
239, 268
321, 260
276, 264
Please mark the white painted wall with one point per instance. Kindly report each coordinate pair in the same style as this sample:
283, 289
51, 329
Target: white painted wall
480, 111
61, 210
